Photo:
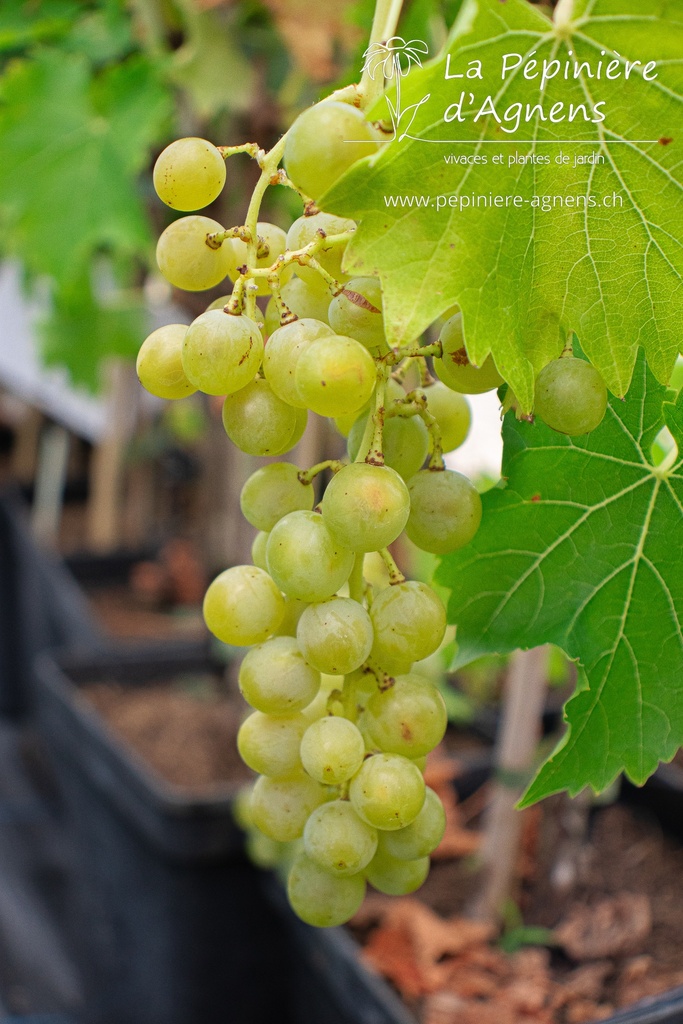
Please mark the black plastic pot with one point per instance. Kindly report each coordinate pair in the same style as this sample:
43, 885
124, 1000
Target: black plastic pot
170, 924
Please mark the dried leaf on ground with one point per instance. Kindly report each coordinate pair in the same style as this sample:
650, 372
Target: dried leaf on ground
613, 927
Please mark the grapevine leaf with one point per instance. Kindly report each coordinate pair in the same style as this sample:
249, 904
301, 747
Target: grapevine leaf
583, 548
525, 276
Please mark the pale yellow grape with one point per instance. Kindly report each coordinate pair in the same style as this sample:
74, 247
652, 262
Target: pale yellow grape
335, 375
185, 259
276, 240
366, 507
283, 351
332, 750
293, 612
262, 851
275, 677
222, 353
322, 899
273, 491
300, 299
304, 559
357, 312
243, 606
455, 369
189, 174
281, 807
308, 229
258, 550
396, 877
218, 303
336, 635
338, 840
409, 623
452, 414
407, 718
256, 420
159, 364
269, 744
445, 510
241, 806
324, 141
388, 792
422, 836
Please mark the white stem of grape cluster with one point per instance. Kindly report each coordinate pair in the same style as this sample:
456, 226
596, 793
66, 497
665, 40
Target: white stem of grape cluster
384, 24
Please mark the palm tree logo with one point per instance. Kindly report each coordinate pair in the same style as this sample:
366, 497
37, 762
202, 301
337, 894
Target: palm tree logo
394, 59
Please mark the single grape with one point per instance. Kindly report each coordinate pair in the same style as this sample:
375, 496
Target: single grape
263, 852
366, 507
276, 241
452, 414
338, 840
305, 302
241, 806
322, 899
283, 351
258, 550
159, 364
445, 510
304, 559
256, 420
408, 718
281, 807
455, 369
243, 606
221, 352
299, 429
345, 423
570, 396
273, 491
332, 750
294, 609
388, 791
318, 708
189, 174
334, 375
218, 303
422, 836
308, 229
405, 442
357, 313
276, 679
409, 623
396, 877
336, 635
269, 744
324, 141
184, 257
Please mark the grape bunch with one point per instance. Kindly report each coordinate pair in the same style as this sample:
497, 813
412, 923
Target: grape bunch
342, 717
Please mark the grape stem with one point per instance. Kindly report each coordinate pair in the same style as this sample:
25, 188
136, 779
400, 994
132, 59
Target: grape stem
395, 574
356, 580
269, 163
306, 257
252, 148
415, 404
306, 476
215, 240
384, 24
375, 426
398, 354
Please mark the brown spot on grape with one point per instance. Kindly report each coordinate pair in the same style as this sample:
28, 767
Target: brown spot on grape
359, 300
460, 357
406, 731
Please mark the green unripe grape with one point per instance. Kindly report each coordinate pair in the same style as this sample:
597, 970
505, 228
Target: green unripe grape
409, 623
276, 240
452, 414
272, 492
283, 351
304, 559
243, 606
324, 141
275, 677
263, 852
570, 396
388, 791
256, 420
185, 259
338, 840
334, 375
396, 877
219, 303
299, 429
189, 174
293, 612
269, 745
318, 707
258, 550
357, 313
159, 364
280, 807
222, 353
455, 369
303, 301
345, 423
308, 229
405, 442
366, 507
422, 836
320, 898
408, 718
336, 635
445, 510
241, 806
332, 750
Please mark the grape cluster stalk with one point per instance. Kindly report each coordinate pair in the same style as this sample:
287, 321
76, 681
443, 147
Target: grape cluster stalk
342, 718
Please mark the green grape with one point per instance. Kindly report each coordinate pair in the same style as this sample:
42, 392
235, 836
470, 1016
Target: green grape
269, 745
344, 424
335, 636
258, 550
306, 303
276, 679
422, 836
388, 791
159, 365
452, 414
283, 351
324, 141
445, 510
405, 442
304, 559
357, 312
322, 899
222, 353
263, 852
337, 840
241, 806
455, 369
189, 174
570, 396
218, 303
408, 718
335, 375
409, 623
281, 807
256, 420
396, 877
275, 239
273, 491
332, 750
366, 507
243, 606
318, 708
185, 259
300, 422
293, 612
307, 229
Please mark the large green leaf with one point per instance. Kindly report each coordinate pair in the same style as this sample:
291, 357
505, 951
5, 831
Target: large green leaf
524, 277
583, 547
